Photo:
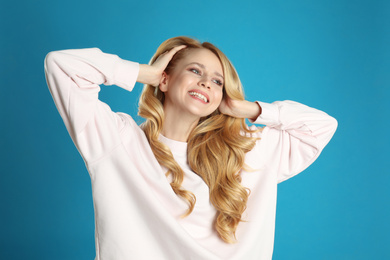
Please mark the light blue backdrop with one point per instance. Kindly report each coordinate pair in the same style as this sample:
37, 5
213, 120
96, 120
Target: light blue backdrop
333, 55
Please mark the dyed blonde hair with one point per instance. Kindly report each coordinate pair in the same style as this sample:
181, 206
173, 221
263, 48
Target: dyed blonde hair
216, 147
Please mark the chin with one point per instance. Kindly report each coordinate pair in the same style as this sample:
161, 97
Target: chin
200, 112
213, 113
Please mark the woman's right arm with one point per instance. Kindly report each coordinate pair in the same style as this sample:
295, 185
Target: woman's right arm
73, 77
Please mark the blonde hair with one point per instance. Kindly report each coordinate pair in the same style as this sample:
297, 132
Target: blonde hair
216, 147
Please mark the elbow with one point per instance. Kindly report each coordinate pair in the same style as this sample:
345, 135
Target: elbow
50, 60
52, 68
328, 130
333, 124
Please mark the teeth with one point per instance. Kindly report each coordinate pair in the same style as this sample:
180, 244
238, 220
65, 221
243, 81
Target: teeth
196, 94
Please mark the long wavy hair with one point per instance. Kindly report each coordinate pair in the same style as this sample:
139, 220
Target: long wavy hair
216, 147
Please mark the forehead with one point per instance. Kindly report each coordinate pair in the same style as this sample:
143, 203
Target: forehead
204, 57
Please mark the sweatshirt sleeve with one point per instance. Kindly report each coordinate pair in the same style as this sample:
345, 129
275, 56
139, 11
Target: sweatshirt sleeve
293, 137
73, 77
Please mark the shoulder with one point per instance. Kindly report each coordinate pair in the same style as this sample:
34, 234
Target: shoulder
130, 128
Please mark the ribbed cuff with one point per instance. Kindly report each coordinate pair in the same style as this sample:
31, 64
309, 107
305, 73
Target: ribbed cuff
269, 114
126, 73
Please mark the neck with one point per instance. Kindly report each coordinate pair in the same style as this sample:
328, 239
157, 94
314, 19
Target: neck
178, 126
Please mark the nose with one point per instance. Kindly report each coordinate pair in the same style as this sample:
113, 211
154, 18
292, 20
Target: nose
204, 82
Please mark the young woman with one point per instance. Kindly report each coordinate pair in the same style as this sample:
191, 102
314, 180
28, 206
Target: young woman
193, 181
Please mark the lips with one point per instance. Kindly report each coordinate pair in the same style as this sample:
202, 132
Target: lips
199, 95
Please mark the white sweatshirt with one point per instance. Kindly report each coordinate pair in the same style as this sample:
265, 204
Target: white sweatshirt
137, 214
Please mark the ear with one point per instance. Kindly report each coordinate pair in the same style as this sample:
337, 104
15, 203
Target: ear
163, 86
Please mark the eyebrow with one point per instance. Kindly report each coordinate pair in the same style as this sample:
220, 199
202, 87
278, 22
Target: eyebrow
204, 67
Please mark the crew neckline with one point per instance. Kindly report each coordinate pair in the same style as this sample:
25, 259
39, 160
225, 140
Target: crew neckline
177, 147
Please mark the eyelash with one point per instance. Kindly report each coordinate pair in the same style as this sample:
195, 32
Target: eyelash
219, 83
196, 71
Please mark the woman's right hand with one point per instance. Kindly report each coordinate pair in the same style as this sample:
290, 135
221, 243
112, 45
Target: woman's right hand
152, 74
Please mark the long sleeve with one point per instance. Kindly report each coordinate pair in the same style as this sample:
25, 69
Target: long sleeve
294, 136
73, 77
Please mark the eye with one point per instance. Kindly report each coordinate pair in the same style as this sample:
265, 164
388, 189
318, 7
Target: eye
218, 82
196, 71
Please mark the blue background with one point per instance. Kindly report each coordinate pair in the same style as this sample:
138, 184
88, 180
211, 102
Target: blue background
333, 55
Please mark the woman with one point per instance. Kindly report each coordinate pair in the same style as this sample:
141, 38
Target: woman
193, 181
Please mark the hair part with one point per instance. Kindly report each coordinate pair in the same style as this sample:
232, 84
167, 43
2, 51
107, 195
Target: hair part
216, 147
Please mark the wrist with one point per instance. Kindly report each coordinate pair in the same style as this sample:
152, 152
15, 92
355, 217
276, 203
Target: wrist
146, 75
253, 110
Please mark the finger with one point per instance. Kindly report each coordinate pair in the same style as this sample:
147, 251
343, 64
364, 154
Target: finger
178, 48
174, 50
166, 57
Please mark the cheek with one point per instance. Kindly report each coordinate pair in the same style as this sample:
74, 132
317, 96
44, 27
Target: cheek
185, 80
220, 95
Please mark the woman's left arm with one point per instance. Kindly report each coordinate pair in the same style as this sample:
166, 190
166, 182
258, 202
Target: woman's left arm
240, 108
294, 136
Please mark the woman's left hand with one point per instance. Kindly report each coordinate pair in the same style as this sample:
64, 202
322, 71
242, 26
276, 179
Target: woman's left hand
240, 108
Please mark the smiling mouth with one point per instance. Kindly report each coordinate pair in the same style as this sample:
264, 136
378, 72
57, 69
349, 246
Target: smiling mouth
199, 96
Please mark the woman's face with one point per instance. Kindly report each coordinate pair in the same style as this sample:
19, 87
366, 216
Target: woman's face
195, 86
